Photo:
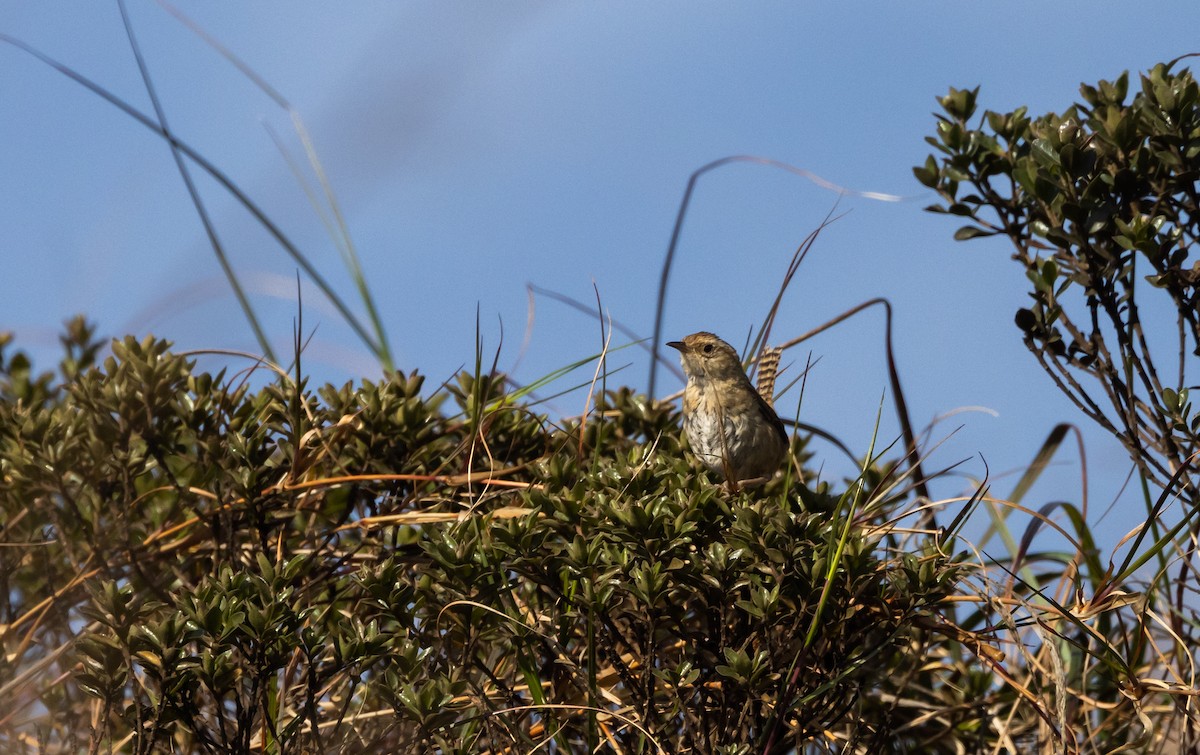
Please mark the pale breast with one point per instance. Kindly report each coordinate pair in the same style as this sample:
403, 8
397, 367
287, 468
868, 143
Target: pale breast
733, 436
713, 440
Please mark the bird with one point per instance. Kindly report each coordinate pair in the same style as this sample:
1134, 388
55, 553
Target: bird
729, 426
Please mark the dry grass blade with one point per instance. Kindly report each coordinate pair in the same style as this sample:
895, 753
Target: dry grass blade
620, 327
902, 414
220, 177
337, 227
672, 247
201, 209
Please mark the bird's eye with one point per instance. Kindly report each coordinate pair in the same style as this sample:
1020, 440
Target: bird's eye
708, 348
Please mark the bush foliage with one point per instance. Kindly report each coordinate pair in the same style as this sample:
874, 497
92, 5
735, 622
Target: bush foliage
193, 565
1099, 204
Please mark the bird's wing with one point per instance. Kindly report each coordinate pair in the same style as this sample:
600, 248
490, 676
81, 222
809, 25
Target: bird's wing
771, 416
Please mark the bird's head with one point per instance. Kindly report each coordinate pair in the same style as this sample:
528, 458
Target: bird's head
705, 356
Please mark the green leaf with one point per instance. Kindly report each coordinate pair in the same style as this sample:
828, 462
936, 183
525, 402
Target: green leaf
971, 232
928, 174
1045, 154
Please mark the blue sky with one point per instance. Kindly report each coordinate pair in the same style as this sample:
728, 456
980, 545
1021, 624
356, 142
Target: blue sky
476, 148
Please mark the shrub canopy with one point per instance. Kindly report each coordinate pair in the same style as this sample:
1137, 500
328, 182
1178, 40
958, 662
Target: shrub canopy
194, 565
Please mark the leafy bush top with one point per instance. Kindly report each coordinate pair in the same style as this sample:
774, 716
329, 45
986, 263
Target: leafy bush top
197, 566
1100, 205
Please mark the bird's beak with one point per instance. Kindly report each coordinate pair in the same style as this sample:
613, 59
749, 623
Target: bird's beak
678, 345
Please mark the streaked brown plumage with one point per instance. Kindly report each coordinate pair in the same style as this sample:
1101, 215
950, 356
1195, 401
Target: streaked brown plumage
730, 427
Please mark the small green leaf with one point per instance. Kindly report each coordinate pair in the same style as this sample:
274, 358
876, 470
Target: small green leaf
1045, 154
971, 232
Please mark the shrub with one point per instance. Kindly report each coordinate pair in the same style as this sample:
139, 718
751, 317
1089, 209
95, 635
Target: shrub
193, 565
1099, 204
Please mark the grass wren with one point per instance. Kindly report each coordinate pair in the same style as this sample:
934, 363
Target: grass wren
731, 429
